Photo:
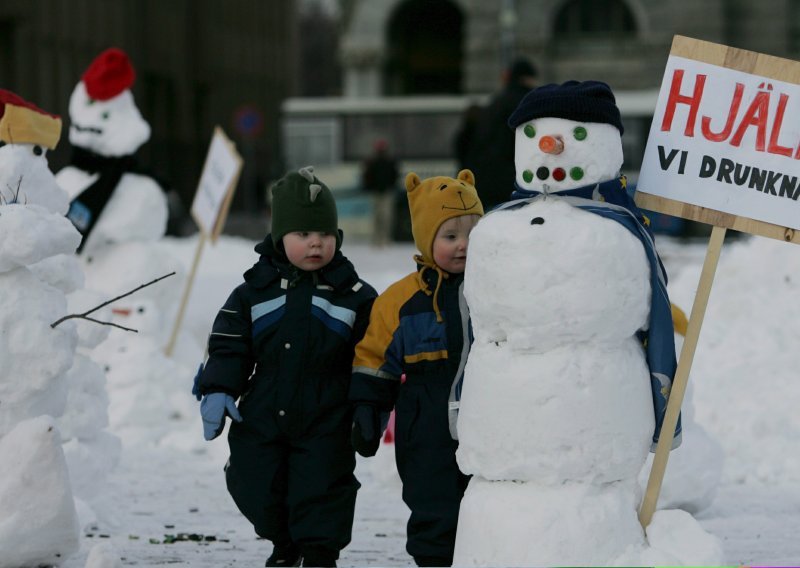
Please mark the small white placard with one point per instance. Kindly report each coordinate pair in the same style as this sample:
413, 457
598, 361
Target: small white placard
217, 184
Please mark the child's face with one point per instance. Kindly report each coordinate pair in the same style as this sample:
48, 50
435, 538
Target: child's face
309, 250
450, 243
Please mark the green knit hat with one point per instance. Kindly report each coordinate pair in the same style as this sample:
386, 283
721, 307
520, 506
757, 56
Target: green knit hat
301, 202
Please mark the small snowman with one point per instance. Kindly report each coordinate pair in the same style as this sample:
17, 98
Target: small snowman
112, 199
38, 522
567, 380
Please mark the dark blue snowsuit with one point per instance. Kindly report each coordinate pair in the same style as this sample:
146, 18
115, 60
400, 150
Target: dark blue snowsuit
406, 337
284, 343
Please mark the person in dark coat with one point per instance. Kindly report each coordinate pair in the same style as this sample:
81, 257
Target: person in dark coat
283, 344
490, 150
378, 178
419, 329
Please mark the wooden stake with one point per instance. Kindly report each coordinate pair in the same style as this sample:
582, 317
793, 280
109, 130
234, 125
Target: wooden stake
681, 376
201, 241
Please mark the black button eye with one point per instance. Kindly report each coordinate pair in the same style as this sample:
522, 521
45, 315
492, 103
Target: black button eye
537, 221
140, 310
37, 150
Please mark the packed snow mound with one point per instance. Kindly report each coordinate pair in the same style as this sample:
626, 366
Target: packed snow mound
62, 271
34, 355
26, 179
30, 233
35, 497
693, 471
136, 211
600, 523
555, 281
90, 334
752, 312
121, 268
103, 555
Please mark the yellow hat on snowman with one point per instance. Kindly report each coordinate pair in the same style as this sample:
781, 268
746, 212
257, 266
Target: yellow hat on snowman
433, 201
22, 122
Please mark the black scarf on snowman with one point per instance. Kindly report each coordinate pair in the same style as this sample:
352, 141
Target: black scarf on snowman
611, 200
86, 208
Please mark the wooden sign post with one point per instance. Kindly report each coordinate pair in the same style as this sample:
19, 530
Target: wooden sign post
210, 208
724, 149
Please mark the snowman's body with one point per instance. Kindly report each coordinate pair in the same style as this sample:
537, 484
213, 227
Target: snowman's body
557, 409
556, 406
136, 211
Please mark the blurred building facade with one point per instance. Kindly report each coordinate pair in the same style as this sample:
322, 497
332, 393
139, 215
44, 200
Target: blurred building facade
400, 47
199, 63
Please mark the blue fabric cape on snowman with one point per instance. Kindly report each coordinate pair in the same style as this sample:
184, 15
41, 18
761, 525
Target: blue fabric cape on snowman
610, 199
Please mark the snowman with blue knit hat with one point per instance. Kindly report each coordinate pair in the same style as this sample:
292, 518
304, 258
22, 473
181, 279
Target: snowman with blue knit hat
568, 377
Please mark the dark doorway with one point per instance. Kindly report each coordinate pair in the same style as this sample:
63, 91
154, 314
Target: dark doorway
589, 18
424, 48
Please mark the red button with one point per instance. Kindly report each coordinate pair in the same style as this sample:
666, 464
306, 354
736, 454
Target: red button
559, 174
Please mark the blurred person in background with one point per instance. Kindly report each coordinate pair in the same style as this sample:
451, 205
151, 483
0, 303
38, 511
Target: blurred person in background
489, 151
379, 177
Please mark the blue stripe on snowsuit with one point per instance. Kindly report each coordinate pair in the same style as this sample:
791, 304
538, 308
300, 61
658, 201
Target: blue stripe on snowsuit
337, 319
267, 313
610, 200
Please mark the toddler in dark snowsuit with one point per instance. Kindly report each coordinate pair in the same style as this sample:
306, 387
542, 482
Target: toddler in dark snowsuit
419, 327
283, 343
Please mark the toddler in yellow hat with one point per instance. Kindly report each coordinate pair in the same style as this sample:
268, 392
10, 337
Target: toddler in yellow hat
412, 359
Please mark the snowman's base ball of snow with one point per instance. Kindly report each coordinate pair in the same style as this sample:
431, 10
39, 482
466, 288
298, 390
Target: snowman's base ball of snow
536, 525
578, 413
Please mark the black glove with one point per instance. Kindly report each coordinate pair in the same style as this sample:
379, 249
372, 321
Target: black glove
368, 426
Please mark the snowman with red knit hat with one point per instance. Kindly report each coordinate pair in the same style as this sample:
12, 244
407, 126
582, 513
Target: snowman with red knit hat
112, 199
120, 210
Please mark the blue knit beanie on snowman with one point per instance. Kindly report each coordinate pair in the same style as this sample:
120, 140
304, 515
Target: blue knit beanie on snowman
581, 101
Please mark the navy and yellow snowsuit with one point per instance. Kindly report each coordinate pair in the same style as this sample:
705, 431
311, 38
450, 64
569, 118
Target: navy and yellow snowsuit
422, 331
284, 343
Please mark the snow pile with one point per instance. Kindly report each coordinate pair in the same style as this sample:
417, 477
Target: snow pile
38, 522
695, 468
752, 313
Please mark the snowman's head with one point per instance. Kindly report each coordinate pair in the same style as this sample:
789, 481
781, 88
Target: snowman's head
26, 133
567, 136
104, 116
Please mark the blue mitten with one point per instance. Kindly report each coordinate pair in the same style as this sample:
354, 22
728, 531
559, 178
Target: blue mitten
213, 409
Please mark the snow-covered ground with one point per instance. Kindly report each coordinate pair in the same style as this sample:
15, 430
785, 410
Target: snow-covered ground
169, 483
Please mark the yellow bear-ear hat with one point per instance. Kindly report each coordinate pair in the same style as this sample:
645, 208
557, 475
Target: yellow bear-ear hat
22, 122
433, 201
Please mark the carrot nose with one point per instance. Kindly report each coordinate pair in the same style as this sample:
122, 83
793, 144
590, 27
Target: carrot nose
551, 144
121, 311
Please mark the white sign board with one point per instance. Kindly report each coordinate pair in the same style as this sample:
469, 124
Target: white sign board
726, 140
217, 183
